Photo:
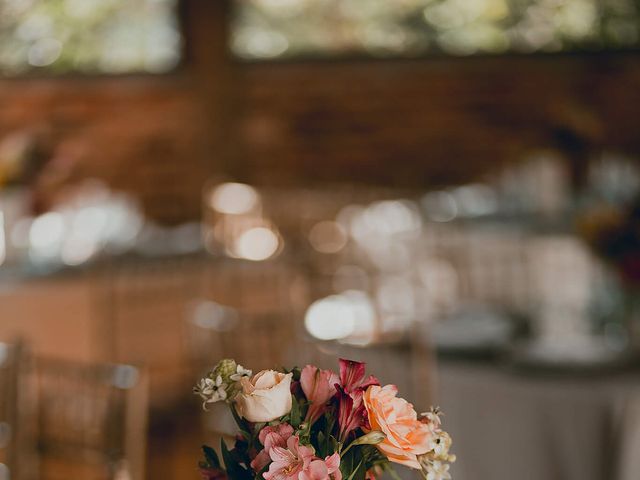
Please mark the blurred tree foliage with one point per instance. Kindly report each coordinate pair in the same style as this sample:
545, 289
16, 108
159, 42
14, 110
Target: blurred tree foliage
93, 36
289, 28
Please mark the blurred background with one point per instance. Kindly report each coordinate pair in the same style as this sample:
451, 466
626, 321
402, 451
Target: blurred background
446, 189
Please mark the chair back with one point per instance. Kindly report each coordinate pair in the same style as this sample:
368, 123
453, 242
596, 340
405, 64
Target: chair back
91, 420
248, 315
10, 367
146, 324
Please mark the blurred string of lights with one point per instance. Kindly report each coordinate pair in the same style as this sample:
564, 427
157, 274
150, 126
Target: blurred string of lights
265, 29
92, 36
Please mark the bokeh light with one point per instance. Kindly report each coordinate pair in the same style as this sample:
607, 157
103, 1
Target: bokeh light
330, 318
234, 198
328, 237
47, 234
349, 316
257, 244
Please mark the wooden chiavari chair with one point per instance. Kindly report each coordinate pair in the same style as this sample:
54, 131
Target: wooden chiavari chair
248, 315
145, 325
90, 420
11, 366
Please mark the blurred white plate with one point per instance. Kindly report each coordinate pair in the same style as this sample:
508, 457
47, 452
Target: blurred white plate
580, 353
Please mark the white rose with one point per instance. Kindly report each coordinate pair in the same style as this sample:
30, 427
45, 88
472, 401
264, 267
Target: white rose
266, 397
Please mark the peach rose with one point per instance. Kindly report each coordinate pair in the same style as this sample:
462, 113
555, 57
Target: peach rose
407, 437
266, 397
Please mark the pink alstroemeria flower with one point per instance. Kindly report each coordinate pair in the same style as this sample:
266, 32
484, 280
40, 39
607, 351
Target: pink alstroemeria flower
319, 387
327, 469
352, 413
288, 463
352, 375
271, 436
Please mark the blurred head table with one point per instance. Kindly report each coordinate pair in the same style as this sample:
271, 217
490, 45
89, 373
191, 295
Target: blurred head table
508, 425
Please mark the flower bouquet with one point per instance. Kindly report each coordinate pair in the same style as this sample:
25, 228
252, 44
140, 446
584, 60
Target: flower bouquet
314, 424
613, 232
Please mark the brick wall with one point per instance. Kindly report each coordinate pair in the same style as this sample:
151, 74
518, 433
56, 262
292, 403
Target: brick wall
431, 121
146, 135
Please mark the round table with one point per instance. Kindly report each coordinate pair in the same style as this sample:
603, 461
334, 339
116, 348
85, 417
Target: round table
513, 426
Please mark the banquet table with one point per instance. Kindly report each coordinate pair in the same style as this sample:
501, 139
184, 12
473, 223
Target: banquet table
509, 425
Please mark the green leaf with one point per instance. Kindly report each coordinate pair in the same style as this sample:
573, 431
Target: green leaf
355, 471
322, 445
331, 422
234, 469
295, 416
296, 373
211, 457
351, 464
243, 425
334, 444
229, 462
247, 436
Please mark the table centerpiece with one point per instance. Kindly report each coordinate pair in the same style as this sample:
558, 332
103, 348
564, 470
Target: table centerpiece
314, 424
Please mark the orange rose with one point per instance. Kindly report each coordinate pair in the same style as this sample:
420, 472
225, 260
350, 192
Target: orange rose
407, 438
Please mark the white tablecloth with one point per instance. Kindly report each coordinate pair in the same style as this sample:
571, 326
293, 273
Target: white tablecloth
508, 426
